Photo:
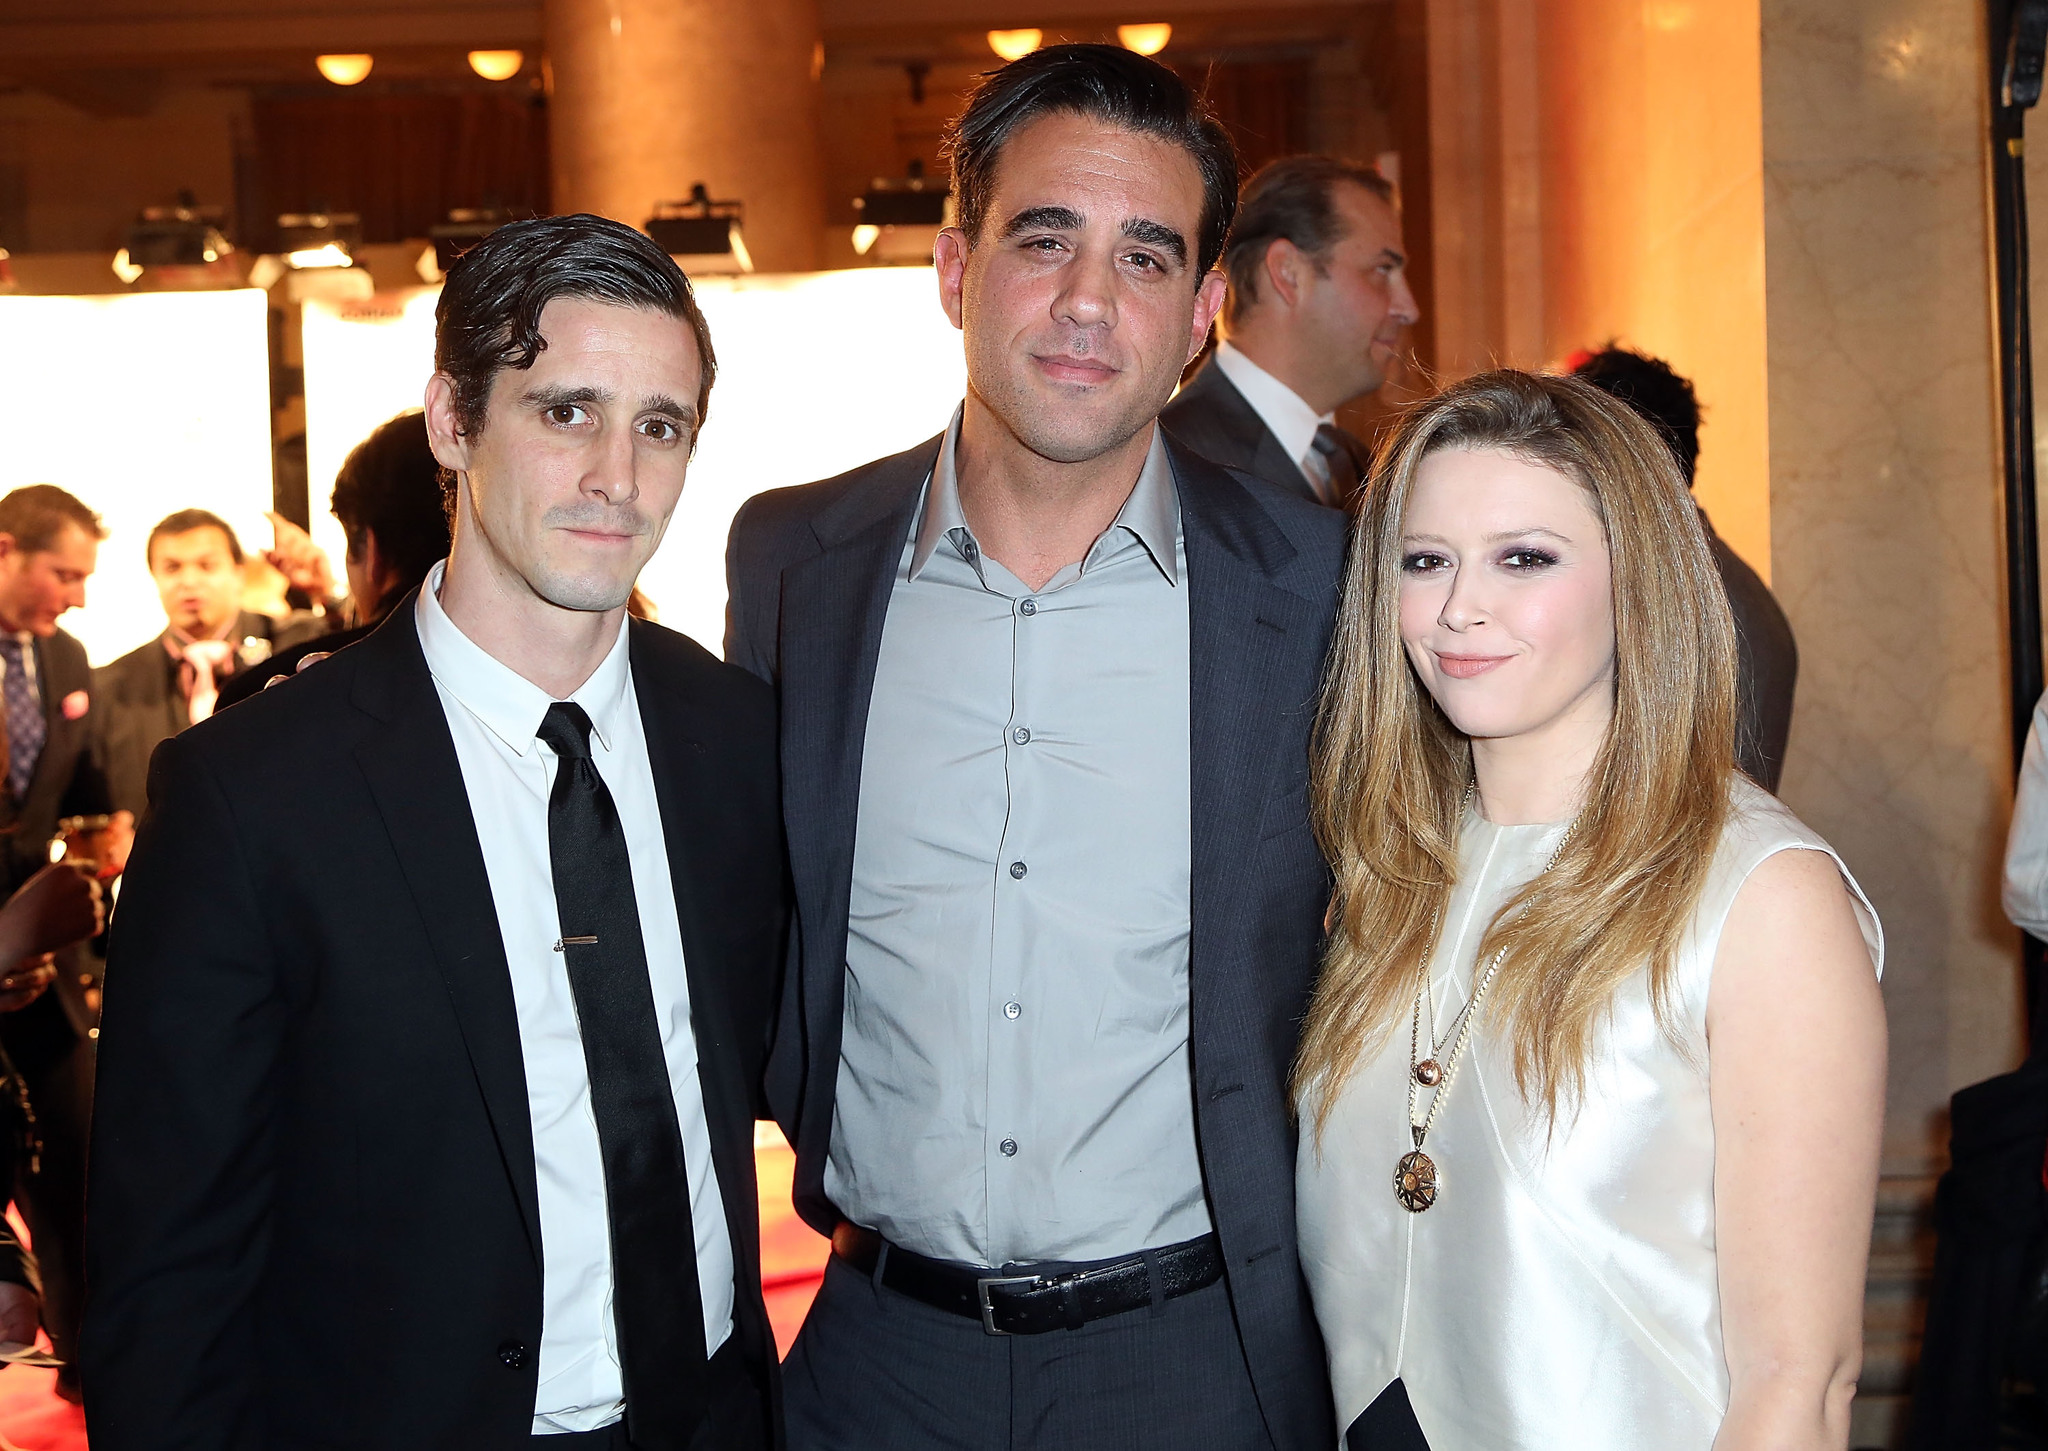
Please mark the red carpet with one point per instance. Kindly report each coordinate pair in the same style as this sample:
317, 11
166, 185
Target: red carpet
33, 1418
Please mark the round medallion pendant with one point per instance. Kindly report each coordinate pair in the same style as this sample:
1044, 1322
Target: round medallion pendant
1429, 1073
1415, 1182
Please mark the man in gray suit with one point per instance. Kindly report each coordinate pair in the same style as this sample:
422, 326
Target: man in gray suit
1318, 304
1768, 663
1046, 684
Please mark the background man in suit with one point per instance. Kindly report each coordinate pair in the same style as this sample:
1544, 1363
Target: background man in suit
388, 499
1767, 667
158, 689
1318, 303
453, 1148
1046, 685
49, 546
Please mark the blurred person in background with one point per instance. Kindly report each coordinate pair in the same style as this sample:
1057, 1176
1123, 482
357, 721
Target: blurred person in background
49, 546
1768, 656
158, 689
1314, 319
388, 499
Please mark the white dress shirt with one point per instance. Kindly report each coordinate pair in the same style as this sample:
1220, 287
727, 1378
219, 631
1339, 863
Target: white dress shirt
2026, 848
494, 714
1286, 415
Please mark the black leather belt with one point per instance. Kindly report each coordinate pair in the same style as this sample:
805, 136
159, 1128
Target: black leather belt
1031, 1304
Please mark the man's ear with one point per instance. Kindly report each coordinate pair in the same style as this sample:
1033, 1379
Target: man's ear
1208, 302
1283, 268
949, 257
444, 437
9, 547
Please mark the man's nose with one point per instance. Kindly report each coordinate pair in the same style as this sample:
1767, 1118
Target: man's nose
1403, 308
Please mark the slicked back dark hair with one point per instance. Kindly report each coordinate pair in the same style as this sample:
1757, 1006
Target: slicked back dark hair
1294, 198
1108, 84
488, 318
390, 486
184, 522
1654, 389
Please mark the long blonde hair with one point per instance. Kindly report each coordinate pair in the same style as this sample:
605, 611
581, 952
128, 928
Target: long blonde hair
1390, 771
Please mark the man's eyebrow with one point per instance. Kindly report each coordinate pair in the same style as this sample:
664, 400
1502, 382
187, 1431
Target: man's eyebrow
556, 395
1388, 254
1044, 219
1157, 234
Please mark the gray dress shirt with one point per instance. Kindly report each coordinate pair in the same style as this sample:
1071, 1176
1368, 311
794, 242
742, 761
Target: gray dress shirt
1014, 1076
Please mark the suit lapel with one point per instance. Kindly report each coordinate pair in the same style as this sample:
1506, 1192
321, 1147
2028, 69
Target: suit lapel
834, 605
1263, 457
1239, 622
682, 782
416, 781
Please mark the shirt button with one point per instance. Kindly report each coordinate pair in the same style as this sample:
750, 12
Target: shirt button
512, 1355
1009, 1148
1021, 736
1011, 1010
1028, 607
1018, 869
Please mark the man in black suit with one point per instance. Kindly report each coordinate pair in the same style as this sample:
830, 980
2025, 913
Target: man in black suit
175, 680
388, 499
443, 973
49, 546
1318, 305
1046, 685
1767, 663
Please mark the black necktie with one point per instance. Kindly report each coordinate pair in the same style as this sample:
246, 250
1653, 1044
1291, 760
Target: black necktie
1333, 443
657, 1307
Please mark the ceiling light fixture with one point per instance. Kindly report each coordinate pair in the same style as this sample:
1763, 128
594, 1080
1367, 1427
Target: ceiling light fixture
1144, 39
497, 65
1014, 44
344, 70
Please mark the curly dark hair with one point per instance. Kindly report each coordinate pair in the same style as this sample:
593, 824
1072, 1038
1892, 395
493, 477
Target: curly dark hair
488, 318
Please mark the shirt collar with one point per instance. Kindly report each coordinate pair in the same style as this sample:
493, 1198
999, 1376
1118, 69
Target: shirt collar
1279, 407
1151, 514
511, 706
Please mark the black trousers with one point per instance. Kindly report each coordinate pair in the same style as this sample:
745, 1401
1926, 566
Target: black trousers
873, 1369
58, 1069
734, 1421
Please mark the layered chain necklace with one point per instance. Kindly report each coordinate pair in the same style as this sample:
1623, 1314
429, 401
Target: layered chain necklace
1415, 1178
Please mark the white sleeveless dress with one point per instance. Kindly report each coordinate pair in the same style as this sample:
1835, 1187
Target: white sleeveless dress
1562, 1291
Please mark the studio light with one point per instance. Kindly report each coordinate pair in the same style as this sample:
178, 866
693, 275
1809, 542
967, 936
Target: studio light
704, 236
319, 239
497, 65
1144, 39
344, 70
183, 245
1014, 44
900, 220
465, 227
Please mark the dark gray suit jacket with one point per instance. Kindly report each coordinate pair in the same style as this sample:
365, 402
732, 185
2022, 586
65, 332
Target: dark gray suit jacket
811, 571
1211, 417
1767, 666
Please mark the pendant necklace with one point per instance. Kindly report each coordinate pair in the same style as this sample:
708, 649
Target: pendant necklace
1416, 1181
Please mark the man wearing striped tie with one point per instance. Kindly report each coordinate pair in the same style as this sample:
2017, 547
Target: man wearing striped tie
49, 544
1314, 319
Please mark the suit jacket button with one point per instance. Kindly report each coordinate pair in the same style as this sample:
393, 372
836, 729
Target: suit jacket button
512, 1355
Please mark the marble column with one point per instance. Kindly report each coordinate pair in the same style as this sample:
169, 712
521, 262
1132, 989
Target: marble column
648, 97
1886, 545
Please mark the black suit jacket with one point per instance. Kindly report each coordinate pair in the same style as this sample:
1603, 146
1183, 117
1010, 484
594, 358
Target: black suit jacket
811, 571
1767, 666
312, 1209
1211, 417
69, 780
139, 702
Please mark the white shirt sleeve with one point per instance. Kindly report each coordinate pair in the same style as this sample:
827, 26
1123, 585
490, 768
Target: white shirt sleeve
2025, 895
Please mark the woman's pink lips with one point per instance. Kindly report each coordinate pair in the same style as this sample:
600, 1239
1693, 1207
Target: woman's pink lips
1465, 667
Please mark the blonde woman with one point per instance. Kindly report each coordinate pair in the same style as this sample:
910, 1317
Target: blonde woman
1592, 1085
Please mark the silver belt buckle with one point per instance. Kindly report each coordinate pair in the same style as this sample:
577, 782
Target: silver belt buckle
984, 1283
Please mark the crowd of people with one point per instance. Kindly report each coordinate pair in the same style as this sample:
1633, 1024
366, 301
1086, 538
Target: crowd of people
1255, 940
